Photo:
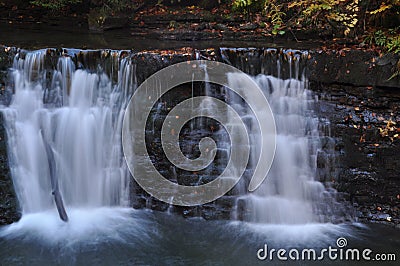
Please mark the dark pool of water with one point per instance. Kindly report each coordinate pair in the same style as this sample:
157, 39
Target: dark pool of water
37, 36
129, 237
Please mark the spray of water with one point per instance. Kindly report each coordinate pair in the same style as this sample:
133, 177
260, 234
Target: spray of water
63, 128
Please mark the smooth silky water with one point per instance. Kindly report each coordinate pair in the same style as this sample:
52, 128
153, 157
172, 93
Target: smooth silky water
78, 113
292, 193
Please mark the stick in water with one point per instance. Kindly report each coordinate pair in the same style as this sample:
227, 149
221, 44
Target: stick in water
54, 183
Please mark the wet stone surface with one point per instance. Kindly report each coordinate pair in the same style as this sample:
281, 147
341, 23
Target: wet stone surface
369, 168
189, 137
8, 201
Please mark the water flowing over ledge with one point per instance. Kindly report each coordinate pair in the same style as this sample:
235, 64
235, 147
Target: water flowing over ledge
74, 100
251, 60
345, 66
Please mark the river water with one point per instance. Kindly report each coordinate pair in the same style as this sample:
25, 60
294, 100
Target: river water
140, 237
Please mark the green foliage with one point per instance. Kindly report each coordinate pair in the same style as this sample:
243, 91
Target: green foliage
244, 4
379, 38
346, 16
248, 6
342, 14
269, 8
389, 40
54, 4
117, 5
241, 4
275, 14
393, 44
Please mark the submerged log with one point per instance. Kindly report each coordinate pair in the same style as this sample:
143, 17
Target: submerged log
54, 184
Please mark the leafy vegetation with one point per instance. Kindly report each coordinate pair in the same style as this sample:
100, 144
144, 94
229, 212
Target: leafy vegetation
370, 22
54, 4
389, 39
337, 14
270, 8
385, 6
115, 5
349, 17
276, 16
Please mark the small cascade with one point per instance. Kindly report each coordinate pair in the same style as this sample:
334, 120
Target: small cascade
77, 114
292, 192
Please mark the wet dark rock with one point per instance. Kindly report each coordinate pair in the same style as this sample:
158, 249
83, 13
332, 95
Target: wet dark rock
355, 67
221, 27
249, 26
370, 166
6, 57
256, 61
9, 210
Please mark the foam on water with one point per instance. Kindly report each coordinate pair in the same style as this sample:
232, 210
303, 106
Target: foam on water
308, 235
85, 225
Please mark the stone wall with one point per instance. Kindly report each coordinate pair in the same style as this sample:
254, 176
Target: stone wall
353, 67
369, 167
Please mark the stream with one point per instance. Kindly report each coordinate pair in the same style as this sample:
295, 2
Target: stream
63, 122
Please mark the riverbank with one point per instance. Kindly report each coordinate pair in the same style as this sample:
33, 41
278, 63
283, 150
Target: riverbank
175, 21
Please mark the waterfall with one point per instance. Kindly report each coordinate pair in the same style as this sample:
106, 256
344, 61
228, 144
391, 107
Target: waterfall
290, 189
78, 114
75, 109
292, 192
64, 122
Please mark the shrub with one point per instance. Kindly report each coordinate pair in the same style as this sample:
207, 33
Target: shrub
54, 4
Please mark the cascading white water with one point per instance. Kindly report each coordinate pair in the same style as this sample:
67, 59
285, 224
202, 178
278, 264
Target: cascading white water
288, 194
291, 193
77, 114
